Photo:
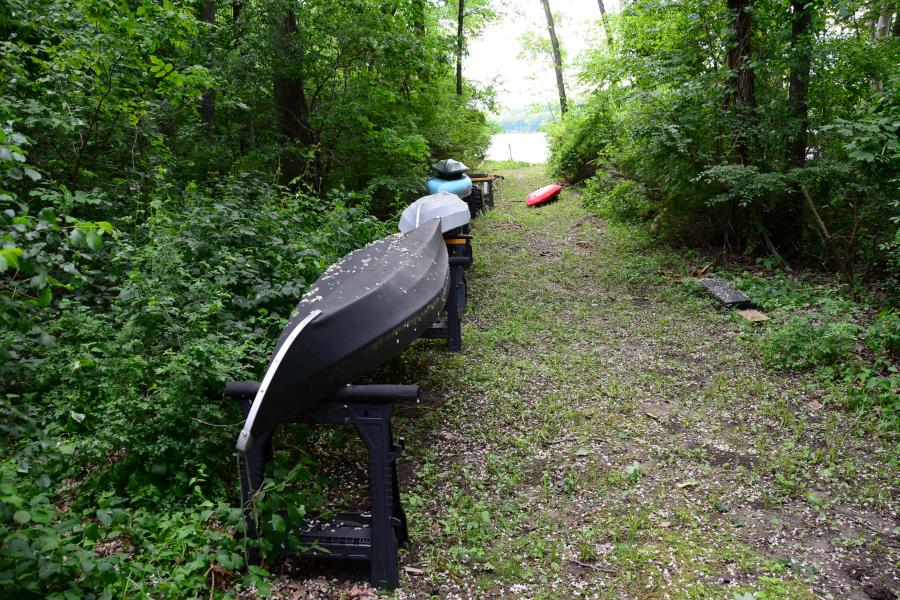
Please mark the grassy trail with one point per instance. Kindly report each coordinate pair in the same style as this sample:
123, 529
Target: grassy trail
606, 434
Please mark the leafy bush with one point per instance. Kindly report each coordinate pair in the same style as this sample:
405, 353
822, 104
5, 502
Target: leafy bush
115, 415
623, 200
146, 257
111, 551
883, 335
751, 168
843, 341
578, 139
808, 341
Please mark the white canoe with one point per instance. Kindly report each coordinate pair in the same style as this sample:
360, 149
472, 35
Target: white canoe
445, 206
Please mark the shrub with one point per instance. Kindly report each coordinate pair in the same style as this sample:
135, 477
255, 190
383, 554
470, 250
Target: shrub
113, 430
883, 335
808, 341
623, 200
578, 139
816, 329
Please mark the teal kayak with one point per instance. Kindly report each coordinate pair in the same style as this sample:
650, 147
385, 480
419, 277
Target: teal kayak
462, 186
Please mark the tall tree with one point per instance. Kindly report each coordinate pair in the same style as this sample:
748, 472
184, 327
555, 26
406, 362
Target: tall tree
883, 28
460, 44
237, 6
557, 57
605, 23
471, 18
742, 91
208, 99
798, 94
418, 16
785, 224
291, 110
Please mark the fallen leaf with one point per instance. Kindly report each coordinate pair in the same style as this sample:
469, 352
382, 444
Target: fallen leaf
413, 571
688, 484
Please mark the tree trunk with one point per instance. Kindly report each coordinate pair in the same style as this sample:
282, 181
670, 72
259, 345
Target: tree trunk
798, 108
418, 16
460, 45
742, 92
291, 110
208, 99
557, 57
236, 7
883, 29
605, 23
785, 223
896, 29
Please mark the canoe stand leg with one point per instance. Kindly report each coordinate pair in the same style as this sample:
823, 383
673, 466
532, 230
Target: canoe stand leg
451, 327
374, 536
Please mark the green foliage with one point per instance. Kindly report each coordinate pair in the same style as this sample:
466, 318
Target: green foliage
841, 340
809, 340
579, 139
147, 255
367, 109
126, 402
621, 200
663, 112
111, 551
524, 120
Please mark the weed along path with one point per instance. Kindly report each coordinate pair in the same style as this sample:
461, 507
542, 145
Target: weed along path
605, 433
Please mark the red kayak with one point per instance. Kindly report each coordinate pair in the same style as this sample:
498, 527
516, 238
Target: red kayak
544, 194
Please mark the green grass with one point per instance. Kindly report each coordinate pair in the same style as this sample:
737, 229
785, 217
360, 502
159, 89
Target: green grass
606, 433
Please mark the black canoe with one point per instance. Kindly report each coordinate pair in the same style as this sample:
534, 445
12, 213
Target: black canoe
363, 310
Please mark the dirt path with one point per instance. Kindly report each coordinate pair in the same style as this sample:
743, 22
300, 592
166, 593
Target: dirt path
606, 434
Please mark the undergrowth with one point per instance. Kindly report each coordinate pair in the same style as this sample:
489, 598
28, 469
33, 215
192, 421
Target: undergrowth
116, 447
815, 328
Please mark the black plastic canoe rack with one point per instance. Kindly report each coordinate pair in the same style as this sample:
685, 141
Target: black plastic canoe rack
375, 536
459, 247
482, 197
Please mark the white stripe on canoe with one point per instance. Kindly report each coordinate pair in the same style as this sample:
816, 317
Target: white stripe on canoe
244, 439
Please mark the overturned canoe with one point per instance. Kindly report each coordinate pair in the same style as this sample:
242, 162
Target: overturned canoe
447, 207
362, 311
449, 168
542, 195
461, 186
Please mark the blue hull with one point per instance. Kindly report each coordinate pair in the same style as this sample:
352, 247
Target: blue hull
462, 187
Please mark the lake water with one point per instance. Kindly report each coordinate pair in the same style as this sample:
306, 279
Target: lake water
528, 147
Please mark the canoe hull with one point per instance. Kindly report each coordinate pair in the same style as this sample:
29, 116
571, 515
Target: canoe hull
462, 186
449, 168
453, 212
543, 195
372, 304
